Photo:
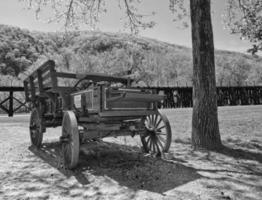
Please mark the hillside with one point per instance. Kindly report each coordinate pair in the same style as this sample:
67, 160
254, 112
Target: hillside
155, 62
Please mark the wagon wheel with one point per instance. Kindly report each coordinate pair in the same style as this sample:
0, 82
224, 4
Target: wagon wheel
157, 137
36, 128
70, 140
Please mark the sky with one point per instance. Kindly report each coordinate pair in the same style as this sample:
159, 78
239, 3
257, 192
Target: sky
15, 13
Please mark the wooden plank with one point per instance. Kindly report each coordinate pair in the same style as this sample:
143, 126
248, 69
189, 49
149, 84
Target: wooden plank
61, 89
137, 97
26, 91
40, 81
11, 106
126, 113
32, 88
53, 77
10, 88
97, 77
65, 75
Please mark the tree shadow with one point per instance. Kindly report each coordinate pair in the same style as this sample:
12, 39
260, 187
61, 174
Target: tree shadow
124, 164
252, 144
239, 153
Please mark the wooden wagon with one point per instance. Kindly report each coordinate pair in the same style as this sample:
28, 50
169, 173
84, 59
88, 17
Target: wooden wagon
96, 106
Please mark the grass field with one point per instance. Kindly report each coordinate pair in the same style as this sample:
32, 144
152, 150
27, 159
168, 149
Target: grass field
116, 168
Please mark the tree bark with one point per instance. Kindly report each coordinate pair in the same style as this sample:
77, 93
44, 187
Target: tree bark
205, 128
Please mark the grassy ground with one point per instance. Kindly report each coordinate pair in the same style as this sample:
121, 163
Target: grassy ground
116, 168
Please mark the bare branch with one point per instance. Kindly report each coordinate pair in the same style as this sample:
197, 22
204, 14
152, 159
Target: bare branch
70, 8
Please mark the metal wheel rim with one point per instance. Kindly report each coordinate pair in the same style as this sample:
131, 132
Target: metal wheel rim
70, 149
36, 133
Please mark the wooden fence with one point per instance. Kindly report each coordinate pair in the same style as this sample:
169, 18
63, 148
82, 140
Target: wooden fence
11, 104
177, 97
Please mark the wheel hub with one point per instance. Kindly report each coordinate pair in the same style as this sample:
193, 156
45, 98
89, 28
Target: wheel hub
152, 132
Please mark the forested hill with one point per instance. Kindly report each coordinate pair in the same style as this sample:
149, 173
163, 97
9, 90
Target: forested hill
155, 62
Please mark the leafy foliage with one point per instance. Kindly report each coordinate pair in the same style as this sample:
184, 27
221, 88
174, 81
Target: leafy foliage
245, 17
147, 60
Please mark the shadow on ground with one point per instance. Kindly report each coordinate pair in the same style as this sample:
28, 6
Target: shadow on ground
236, 148
240, 153
124, 164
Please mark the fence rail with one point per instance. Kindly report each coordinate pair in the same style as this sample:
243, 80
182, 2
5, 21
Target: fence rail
182, 96
176, 97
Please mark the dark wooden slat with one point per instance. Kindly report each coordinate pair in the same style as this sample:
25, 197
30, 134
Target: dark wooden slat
32, 87
14, 89
126, 113
53, 77
26, 91
11, 102
65, 75
97, 77
137, 97
40, 81
61, 89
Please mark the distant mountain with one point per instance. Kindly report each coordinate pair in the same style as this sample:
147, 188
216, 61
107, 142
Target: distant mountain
153, 61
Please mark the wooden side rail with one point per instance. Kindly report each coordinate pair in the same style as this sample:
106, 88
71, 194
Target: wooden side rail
46, 79
126, 96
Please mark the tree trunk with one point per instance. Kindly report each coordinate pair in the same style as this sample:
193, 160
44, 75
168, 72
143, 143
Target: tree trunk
205, 129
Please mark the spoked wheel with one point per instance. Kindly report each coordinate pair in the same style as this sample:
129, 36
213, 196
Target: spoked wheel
70, 140
36, 128
157, 137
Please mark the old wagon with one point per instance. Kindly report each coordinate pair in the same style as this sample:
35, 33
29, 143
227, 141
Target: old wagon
96, 106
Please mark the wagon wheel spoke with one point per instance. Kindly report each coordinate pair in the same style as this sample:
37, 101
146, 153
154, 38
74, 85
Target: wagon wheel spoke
161, 127
158, 123
160, 144
155, 121
158, 133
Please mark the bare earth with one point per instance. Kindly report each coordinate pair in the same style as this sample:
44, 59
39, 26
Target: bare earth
117, 169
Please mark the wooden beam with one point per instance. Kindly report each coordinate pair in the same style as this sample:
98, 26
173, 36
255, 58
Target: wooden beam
9, 88
11, 104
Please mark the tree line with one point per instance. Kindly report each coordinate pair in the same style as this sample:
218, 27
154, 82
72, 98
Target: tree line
155, 62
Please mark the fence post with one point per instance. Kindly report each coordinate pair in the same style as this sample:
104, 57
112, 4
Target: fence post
11, 108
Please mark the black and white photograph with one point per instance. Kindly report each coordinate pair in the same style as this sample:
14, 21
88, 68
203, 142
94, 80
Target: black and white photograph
130, 99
